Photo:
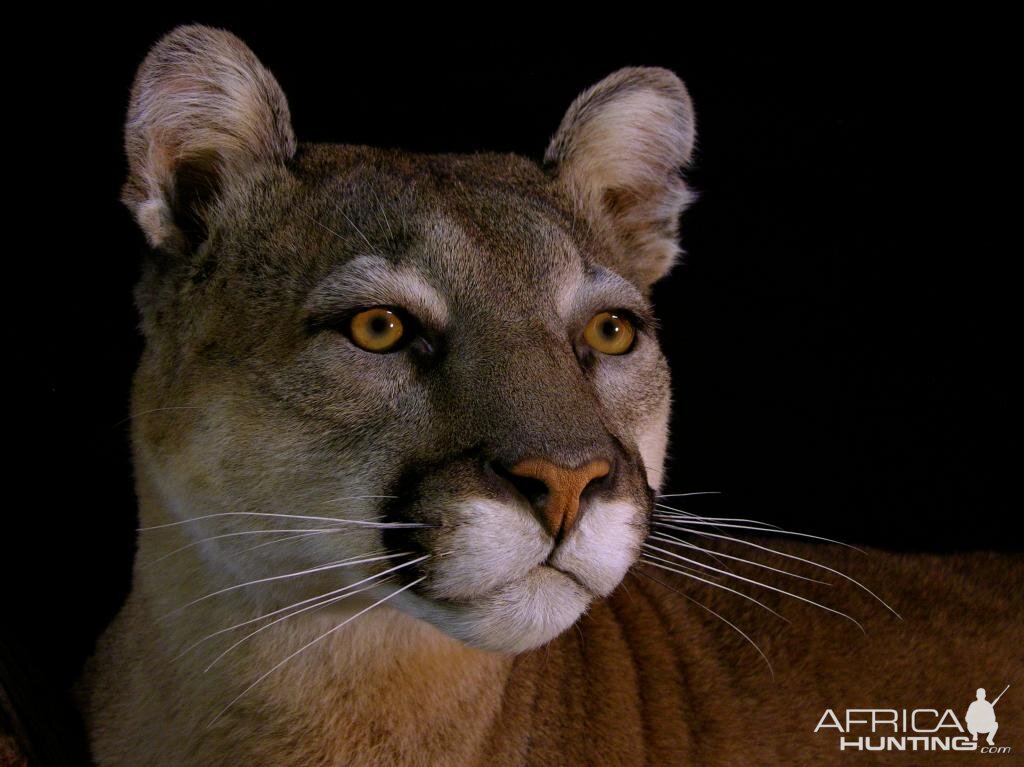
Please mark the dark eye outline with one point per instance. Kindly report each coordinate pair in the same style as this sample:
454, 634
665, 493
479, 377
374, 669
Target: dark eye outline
411, 329
635, 323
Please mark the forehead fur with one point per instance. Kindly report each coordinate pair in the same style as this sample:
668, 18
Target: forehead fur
491, 225
503, 206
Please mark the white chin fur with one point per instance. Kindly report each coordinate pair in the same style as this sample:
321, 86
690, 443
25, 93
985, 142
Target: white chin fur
491, 590
518, 617
602, 547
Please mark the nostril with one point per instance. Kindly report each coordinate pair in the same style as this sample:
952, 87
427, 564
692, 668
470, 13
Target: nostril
534, 490
595, 484
552, 490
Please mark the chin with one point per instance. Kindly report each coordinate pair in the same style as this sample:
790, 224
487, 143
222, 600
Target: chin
519, 616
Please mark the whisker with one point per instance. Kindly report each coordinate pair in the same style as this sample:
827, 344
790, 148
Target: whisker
315, 606
285, 540
132, 416
358, 230
691, 518
654, 562
320, 568
297, 604
686, 495
323, 226
244, 532
677, 564
760, 584
199, 565
311, 643
854, 581
662, 508
729, 623
715, 521
686, 518
672, 539
384, 215
709, 552
777, 531
362, 522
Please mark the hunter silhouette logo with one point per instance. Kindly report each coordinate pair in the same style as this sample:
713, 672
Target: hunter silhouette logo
918, 729
981, 716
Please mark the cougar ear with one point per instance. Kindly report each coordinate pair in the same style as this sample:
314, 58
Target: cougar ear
619, 152
203, 110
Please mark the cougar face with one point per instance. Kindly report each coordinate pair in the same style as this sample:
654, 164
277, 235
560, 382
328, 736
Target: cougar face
454, 355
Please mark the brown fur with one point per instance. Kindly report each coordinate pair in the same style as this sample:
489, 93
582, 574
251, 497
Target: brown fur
648, 677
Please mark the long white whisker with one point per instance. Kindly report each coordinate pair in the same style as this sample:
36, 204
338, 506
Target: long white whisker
313, 642
297, 604
776, 531
289, 538
686, 518
842, 575
686, 495
706, 551
278, 611
729, 623
244, 532
132, 416
678, 541
662, 509
238, 552
314, 606
362, 522
675, 564
758, 583
320, 568
671, 567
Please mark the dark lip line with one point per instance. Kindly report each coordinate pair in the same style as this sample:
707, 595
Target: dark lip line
470, 600
571, 576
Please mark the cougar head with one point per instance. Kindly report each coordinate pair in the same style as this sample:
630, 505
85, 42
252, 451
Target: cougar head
455, 355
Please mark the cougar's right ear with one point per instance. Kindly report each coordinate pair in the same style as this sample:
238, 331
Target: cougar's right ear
203, 110
619, 153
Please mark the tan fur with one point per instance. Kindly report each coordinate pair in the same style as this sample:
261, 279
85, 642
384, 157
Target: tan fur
503, 642
648, 678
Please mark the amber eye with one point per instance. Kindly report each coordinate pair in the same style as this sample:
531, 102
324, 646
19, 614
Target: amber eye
610, 333
376, 330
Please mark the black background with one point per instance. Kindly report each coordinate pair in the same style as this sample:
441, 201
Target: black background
840, 331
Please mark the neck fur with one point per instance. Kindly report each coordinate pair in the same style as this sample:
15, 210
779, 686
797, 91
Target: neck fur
384, 678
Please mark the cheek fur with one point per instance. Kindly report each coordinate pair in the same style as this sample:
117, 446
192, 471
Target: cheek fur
603, 546
635, 393
489, 545
652, 442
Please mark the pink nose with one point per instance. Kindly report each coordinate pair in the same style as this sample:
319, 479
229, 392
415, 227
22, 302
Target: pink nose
564, 486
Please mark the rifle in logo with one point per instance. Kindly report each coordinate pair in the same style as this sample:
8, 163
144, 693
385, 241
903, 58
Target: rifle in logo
981, 716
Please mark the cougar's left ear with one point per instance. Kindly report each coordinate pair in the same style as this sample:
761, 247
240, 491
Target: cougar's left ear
619, 152
203, 112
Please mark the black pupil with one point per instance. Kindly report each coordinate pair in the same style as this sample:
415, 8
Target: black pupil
610, 328
380, 325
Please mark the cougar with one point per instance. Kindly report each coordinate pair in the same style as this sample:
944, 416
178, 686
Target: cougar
399, 430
